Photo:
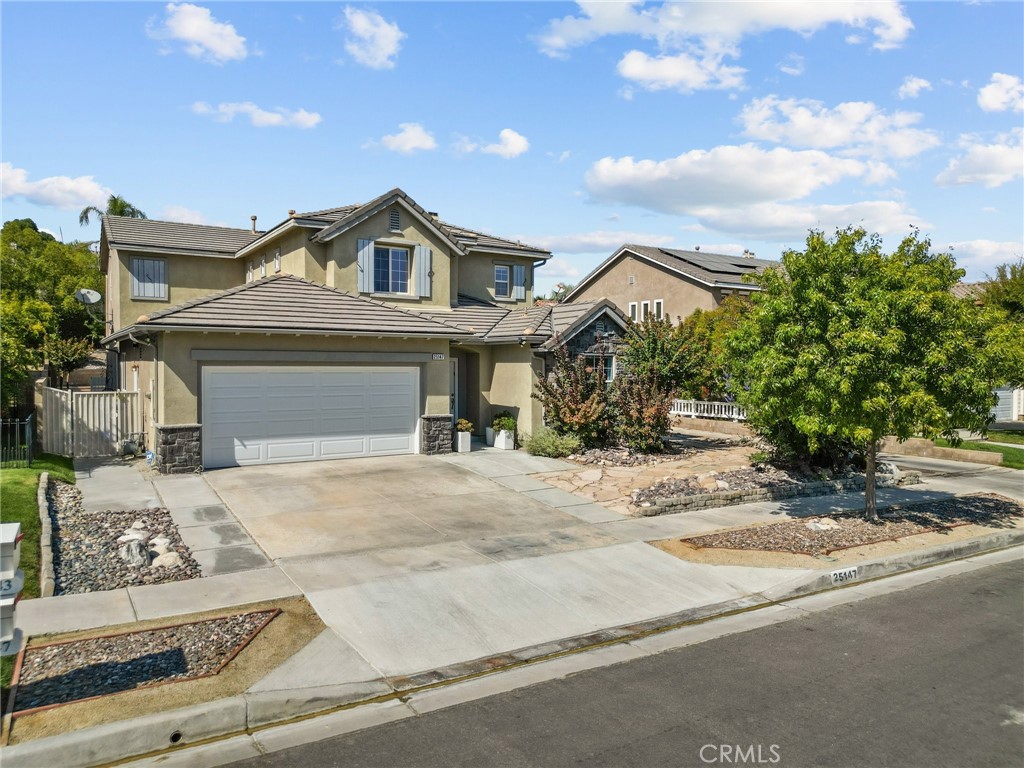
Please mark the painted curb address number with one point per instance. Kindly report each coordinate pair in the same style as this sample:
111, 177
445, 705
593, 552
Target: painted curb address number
844, 576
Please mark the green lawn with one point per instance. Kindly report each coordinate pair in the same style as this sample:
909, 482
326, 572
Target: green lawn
1005, 436
18, 505
1012, 457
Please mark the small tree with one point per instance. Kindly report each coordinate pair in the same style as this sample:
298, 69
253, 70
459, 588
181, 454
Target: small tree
575, 398
641, 404
847, 342
703, 337
656, 346
65, 355
1006, 290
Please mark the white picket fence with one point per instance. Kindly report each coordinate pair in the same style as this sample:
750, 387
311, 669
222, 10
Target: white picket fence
708, 409
88, 423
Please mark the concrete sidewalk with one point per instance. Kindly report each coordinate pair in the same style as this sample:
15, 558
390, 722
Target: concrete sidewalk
399, 618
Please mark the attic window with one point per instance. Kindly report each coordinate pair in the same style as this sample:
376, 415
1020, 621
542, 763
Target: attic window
394, 221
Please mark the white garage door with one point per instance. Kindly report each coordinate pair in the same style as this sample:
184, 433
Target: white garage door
270, 415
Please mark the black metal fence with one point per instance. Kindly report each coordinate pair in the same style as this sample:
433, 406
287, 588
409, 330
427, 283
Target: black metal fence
17, 437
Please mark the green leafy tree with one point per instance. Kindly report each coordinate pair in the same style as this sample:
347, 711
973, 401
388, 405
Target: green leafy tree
703, 336
575, 398
656, 346
25, 321
847, 342
1006, 290
116, 206
65, 355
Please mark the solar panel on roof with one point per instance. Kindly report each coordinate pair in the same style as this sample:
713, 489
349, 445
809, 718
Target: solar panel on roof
723, 265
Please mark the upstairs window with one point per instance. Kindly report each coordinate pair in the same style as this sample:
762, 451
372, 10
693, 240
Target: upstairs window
659, 308
277, 260
502, 284
248, 272
149, 279
263, 266
394, 221
390, 270
633, 311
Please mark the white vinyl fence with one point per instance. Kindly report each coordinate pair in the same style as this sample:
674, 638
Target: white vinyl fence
707, 409
88, 423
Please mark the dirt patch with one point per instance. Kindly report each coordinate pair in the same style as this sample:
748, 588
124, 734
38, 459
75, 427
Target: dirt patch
289, 632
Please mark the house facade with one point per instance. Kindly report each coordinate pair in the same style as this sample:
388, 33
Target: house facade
647, 281
360, 330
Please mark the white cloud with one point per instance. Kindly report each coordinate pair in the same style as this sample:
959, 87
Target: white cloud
981, 257
560, 269
409, 139
857, 127
184, 215
1002, 93
792, 65
724, 175
54, 191
598, 241
510, 144
990, 165
789, 222
261, 118
374, 42
912, 87
681, 72
203, 36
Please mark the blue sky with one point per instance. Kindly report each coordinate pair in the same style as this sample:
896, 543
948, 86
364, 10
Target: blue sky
576, 127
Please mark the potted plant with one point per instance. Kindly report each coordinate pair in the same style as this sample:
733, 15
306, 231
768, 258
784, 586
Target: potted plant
504, 433
463, 434
490, 430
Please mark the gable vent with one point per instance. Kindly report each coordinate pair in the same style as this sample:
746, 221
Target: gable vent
631, 280
395, 222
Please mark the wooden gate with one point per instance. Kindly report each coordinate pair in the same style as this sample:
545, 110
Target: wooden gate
88, 423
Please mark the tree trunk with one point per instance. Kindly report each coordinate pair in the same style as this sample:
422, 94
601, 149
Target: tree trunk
870, 510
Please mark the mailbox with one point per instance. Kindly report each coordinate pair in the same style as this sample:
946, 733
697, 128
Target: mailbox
11, 582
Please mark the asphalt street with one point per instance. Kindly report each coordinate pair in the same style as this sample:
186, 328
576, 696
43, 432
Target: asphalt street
930, 676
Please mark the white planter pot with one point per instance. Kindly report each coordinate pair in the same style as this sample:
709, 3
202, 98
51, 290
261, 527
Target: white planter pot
462, 442
505, 440
490, 435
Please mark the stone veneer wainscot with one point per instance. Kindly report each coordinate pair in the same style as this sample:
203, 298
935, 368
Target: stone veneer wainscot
178, 448
436, 434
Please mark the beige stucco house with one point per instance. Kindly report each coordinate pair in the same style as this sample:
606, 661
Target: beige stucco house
647, 281
353, 331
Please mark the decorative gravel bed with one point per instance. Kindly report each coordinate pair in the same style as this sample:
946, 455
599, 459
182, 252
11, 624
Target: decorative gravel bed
85, 545
760, 476
64, 672
821, 535
623, 457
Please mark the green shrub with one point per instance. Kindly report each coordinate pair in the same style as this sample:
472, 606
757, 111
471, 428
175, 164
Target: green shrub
462, 425
575, 398
547, 442
504, 423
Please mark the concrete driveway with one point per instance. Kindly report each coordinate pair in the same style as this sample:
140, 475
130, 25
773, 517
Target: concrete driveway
358, 505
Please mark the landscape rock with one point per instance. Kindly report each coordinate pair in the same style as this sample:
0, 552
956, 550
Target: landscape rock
167, 560
134, 553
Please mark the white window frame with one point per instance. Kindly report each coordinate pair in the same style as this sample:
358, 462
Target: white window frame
149, 289
645, 310
408, 269
277, 260
507, 281
659, 308
263, 265
634, 311
248, 271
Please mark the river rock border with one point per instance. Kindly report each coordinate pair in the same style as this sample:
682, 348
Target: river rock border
730, 498
47, 580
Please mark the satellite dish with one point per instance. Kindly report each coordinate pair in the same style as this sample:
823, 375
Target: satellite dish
88, 296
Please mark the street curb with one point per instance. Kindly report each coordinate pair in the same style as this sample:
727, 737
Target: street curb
47, 581
150, 736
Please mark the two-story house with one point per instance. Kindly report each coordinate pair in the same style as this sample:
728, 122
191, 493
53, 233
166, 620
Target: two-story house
361, 330
644, 281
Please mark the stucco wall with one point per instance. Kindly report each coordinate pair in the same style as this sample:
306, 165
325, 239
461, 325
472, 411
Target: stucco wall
511, 383
476, 276
681, 295
188, 277
342, 268
179, 375
299, 256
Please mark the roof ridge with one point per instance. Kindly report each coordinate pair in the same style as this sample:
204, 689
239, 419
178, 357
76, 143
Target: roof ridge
183, 224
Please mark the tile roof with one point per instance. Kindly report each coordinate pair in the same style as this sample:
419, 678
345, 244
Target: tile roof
125, 232
285, 303
969, 290
714, 268
533, 322
471, 315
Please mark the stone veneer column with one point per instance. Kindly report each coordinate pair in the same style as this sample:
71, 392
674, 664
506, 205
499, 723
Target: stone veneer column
178, 448
436, 434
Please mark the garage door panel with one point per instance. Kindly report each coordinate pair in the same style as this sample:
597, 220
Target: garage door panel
267, 415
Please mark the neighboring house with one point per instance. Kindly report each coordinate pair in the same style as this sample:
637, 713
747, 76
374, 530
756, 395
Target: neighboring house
662, 282
354, 331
